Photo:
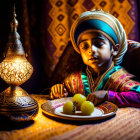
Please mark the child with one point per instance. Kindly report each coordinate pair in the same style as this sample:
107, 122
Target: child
101, 41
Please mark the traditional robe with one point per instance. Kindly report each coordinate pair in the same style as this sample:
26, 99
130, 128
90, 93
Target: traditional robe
122, 90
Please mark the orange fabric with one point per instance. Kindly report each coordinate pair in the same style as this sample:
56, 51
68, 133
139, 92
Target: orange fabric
125, 125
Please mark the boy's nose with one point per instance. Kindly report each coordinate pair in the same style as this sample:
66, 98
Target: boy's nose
93, 49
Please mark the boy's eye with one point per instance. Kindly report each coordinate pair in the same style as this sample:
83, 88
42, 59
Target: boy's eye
98, 44
85, 46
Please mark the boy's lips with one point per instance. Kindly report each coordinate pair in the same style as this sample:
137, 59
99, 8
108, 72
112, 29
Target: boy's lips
93, 59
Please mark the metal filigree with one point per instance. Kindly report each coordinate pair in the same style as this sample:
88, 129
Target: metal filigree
15, 103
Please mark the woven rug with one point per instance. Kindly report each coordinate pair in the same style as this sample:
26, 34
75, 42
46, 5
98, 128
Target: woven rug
41, 128
124, 126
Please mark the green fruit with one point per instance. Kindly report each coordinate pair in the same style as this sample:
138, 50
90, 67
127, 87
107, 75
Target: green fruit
87, 107
77, 100
69, 108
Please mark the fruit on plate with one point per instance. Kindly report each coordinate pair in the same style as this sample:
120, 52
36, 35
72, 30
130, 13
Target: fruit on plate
77, 100
87, 108
69, 108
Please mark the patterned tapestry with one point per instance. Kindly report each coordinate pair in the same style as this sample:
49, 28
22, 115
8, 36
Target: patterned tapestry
59, 16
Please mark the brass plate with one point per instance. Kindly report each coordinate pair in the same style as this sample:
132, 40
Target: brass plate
54, 108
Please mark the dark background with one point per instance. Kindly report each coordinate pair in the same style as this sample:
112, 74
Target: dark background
39, 80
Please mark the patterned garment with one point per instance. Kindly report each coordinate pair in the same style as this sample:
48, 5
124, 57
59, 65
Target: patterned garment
122, 90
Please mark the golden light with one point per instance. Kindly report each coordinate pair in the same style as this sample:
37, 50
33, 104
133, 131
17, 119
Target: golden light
15, 103
15, 70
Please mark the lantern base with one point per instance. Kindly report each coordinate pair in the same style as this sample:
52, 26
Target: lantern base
17, 105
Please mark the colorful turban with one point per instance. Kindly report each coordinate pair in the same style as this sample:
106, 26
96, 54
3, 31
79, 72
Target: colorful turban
104, 23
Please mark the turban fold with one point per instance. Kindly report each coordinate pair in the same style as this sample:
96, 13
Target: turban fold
104, 23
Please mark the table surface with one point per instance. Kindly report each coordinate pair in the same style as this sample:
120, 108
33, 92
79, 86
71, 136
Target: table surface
124, 125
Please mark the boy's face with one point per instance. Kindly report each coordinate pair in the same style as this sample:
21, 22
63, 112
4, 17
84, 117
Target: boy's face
95, 50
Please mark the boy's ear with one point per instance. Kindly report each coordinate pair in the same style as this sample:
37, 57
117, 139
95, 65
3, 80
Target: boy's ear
115, 49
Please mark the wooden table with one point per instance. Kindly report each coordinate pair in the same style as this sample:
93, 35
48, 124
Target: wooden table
124, 126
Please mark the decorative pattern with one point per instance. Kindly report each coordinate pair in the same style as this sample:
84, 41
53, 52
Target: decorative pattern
108, 109
63, 13
15, 72
117, 79
17, 108
125, 125
24, 101
73, 81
